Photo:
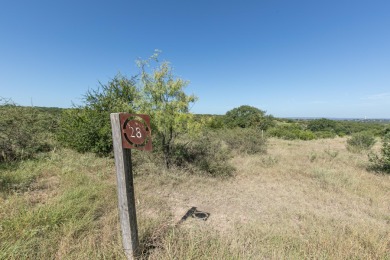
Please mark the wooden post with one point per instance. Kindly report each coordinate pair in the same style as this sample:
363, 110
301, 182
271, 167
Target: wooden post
126, 201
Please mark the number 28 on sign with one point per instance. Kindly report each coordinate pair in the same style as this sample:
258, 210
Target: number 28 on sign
136, 132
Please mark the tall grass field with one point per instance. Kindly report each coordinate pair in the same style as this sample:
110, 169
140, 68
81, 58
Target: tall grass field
302, 199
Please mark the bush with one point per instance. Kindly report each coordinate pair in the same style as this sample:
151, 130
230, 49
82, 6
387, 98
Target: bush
207, 153
211, 121
24, 131
322, 124
244, 140
325, 134
291, 132
244, 116
210, 151
247, 116
382, 163
360, 141
156, 92
87, 128
161, 95
350, 127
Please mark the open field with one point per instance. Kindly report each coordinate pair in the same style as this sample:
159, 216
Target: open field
303, 199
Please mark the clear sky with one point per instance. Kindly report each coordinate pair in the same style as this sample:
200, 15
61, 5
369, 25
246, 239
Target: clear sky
292, 58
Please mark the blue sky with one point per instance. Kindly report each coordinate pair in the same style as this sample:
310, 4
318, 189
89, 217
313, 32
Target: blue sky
290, 58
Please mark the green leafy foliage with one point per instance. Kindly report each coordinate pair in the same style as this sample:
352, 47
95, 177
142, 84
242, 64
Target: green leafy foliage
205, 154
24, 131
290, 132
244, 116
343, 127
162, 97
248, 116
212, 121
381, 163
348, 127
322, 124
210, 151
87, 128
322, 128
325, 134
244, 140
360, 141
156, 92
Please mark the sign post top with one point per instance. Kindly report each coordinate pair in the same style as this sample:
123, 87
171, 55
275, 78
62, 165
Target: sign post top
136, 131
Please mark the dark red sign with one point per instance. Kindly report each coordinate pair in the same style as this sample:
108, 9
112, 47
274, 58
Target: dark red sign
136, 131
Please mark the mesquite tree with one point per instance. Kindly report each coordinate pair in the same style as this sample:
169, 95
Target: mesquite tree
164, 99
154, 91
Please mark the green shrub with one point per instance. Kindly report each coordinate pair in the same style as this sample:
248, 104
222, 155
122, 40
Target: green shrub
87, 128
244, 116
24, 131
386, 131
211, 151
204, 154
381, 163
325, 134
244, 140
207, 153
156, 92
322, 124
212, 121
360, 141
161, 95
291, 132
248, 116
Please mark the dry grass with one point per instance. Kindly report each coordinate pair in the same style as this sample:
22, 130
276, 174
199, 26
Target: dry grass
303, 199
66, 213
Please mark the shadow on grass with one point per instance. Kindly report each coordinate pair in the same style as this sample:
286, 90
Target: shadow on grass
194, 213
153, 239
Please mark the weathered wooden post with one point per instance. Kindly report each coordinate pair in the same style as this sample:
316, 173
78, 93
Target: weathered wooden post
128, 131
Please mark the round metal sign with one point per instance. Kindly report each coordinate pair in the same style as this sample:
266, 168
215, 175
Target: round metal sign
136, 132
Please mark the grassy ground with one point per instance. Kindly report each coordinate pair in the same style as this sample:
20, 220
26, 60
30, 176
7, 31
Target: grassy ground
301, 200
